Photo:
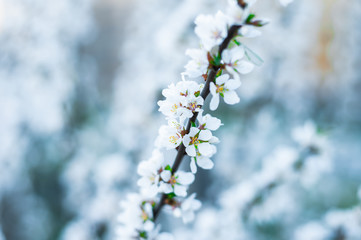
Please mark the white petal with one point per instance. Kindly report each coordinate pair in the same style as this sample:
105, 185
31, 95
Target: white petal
244, 67
214, 102
232, 84
222, 79
205, 149
191, 150
230, 97
237, 53
193, 131
214, 140
148, 225
205, 135
205, 163
166, 188
180, 190
185, 178
212, 88
226, 56
165, 175
186, 140
193, 165
212, 123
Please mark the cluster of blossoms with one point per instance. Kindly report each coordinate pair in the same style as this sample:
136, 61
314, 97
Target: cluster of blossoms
265, 195
217, 65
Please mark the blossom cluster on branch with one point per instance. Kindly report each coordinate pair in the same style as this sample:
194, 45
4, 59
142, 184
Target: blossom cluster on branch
266, 195
214, 69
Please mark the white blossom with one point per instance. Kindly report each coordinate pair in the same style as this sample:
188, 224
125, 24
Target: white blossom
171, 135
198, 65
238, 15
187, 208
135, 218
234, 61
149, 172
176, 183
208, 122
224, 87
202, 162
211, 30
182, 100
198, 142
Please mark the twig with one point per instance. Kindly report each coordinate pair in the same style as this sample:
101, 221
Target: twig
232, 32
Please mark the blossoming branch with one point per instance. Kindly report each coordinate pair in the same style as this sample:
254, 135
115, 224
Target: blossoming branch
217, 64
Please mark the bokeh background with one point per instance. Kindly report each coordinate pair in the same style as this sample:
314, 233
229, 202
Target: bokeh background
79, 82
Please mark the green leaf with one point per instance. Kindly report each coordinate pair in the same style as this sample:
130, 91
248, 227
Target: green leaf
168, 168
197, 93
193, 124
252, 56
250, 17
221, 94
171, 195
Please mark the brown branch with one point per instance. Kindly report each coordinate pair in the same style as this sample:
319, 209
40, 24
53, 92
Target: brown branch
232, 32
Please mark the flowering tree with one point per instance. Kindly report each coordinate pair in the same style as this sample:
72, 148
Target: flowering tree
219, 62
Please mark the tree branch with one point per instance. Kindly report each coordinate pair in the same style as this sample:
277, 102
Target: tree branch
232, 32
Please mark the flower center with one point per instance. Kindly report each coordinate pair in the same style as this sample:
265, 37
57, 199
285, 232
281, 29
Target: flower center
173, 180
174, 139
144, 216
216, 34
220, 89
194, 141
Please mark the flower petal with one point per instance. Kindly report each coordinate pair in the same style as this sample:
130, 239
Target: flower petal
186, 140
212, 88
184, 178
191, 150
232, 84
205, 163
180, 190
222, 79
166, 175
214, 102
244, 67
166, 188
205, 135
193, 165
231, 97
205, 149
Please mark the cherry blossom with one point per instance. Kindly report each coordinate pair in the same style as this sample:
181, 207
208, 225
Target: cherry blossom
234, 61
198, 64
224, 87
187, 208
182, 99
211, 29
136, 218
208, 122
176, 183
171, 135
197, 142
202, 162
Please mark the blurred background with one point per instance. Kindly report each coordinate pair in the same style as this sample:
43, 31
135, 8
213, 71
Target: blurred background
79, 82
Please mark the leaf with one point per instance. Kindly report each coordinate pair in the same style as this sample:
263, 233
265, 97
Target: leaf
252, 56
171, 195
250, 17
193, 124
168, 168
